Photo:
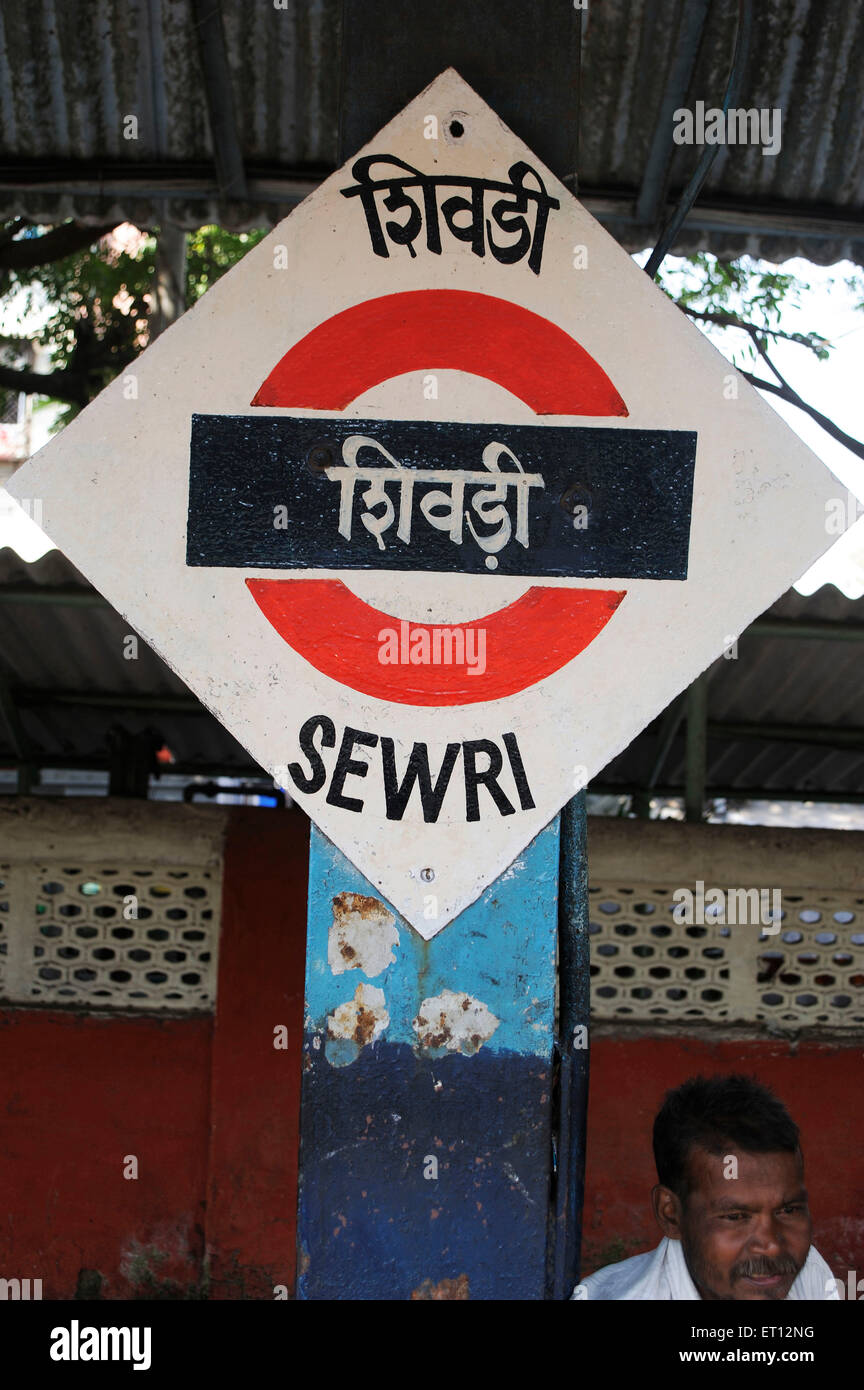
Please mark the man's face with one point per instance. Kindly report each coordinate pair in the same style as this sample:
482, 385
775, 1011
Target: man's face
744, 1236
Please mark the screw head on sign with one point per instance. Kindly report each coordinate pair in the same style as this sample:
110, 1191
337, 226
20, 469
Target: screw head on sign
320, 457
576, 495
427, 875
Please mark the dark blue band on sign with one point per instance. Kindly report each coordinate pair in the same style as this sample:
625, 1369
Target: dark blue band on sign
279, 492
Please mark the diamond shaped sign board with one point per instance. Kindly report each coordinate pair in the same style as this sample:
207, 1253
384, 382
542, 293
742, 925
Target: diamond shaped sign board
435, 501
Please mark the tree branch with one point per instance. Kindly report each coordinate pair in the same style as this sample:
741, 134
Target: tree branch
786, 393
781, 387
51, 246
61, 386
12, 229
733, 321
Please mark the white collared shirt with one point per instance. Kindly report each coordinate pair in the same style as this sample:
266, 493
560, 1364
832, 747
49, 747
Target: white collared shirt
663, 1274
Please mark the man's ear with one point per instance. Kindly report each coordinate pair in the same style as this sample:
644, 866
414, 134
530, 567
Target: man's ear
667, 1211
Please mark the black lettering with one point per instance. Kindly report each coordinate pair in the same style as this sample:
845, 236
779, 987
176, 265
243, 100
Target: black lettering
346, 766
314, 781
431, 795
526, 800
488, 777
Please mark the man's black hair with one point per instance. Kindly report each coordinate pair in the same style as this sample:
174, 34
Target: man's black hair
718, 1113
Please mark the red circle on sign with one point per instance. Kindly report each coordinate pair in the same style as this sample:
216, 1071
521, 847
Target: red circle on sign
421, 330
522, 643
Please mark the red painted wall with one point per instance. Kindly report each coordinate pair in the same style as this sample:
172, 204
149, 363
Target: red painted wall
77, 1095
255, 1098
208, 1106
820, 1084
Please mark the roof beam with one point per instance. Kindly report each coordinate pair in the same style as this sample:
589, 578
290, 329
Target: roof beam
815, 629
739, 215
22, 747
838, 736
128, 700
838, 798
11, 717
685, 50
100, 762
213, 54
615, 208
696, 748
669, 725
65, 597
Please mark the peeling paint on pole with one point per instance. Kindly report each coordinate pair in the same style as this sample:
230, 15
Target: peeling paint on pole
362, 935
355, 1024
426, 1120
454, 1022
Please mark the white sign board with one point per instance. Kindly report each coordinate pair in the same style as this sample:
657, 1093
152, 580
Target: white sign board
435, 501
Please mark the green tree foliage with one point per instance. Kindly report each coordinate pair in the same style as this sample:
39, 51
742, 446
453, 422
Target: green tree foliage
741, 303
93, 304
210, 251
741, 295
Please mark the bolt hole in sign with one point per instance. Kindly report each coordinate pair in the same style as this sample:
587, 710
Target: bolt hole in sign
435, 501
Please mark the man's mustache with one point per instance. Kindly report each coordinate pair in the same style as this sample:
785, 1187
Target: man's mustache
762, 1269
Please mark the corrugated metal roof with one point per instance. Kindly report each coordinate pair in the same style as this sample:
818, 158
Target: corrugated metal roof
49, 652
775, 682
71, 71
806, 58
779, 684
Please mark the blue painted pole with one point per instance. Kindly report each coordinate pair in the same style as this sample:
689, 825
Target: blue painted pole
427, 1106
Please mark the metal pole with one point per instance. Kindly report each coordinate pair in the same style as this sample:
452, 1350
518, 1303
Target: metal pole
574, 1006
697, 748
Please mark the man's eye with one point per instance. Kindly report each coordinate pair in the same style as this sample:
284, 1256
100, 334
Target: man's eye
793, 1207
735, 1216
